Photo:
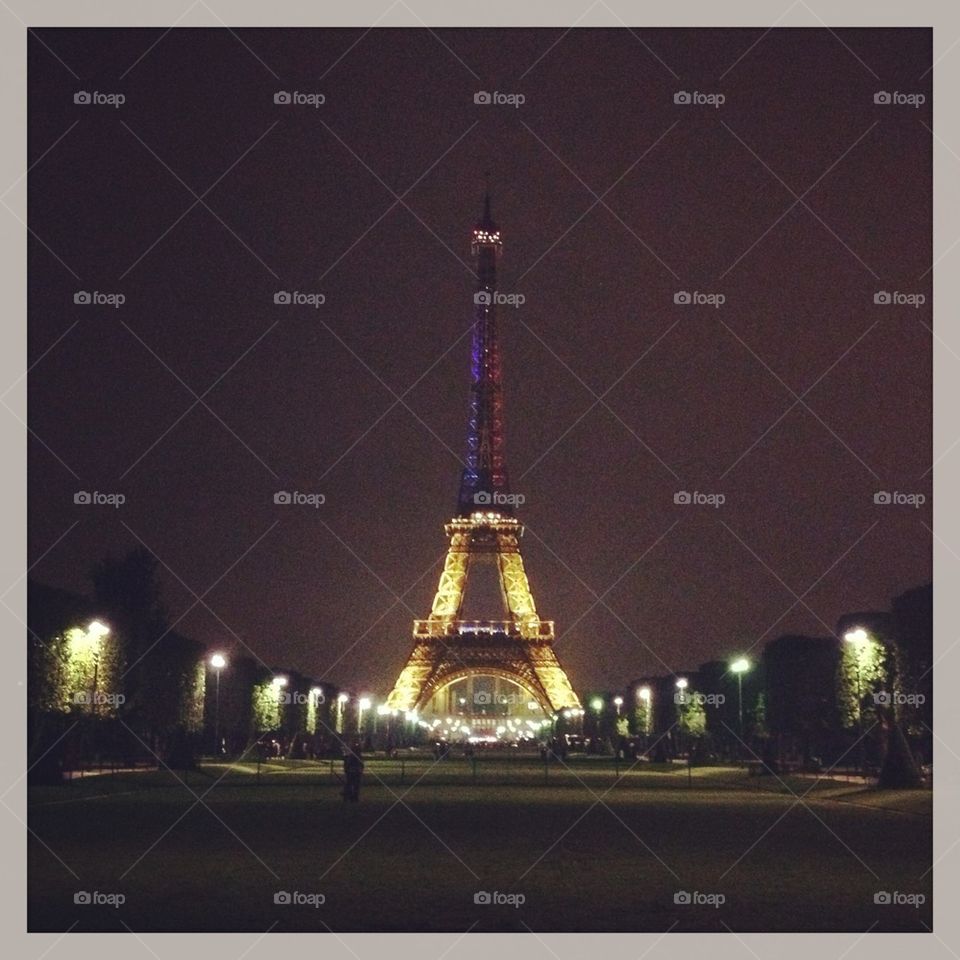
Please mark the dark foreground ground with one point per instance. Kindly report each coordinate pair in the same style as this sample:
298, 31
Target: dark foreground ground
585, 851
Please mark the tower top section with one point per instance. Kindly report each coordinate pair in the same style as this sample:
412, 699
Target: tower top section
483, 483
486, 234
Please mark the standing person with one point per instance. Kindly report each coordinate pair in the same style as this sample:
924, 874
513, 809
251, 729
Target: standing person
352, 772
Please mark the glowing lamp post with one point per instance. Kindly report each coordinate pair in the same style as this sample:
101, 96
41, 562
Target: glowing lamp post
645, 696
342, 699
87, 643
313, 709
682, 685
618, 703
596, 704
96, 631
277, 684
218, 661
362, 704
740, 666
858, 638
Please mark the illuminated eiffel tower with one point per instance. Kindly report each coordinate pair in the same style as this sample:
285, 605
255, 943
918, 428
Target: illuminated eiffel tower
478, 659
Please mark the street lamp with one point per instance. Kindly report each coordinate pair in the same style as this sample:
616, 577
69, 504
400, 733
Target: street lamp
362, 704
83, 648
218, 661
91, 640
740, 666
277, 684
95, 632
313, 709
618, 703
596, 705
857, 638
682, 684
645, 695
342, 699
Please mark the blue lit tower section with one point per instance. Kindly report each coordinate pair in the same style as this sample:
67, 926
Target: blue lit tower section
484, 477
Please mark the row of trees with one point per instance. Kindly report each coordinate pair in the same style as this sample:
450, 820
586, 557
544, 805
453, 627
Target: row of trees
862, 697
111, 681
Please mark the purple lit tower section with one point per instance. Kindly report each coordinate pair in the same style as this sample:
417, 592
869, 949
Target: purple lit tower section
485, 473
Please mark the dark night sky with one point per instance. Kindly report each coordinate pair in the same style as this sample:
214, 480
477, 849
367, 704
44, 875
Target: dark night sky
303, 398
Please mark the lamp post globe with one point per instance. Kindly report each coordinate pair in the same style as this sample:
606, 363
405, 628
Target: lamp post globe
218, 661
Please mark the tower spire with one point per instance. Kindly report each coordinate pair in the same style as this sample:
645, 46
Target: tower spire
483, 483
487, 218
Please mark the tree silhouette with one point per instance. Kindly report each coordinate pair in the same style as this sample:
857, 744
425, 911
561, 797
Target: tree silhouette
163, 674
800, 703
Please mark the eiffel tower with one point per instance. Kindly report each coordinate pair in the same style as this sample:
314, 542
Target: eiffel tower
516, 650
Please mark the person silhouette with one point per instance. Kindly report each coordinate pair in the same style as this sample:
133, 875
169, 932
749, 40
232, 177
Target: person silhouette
352, 772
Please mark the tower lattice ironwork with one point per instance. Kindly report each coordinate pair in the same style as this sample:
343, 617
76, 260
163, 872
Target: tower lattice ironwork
518, 647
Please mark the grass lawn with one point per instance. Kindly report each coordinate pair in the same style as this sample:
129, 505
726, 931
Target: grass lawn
585, 849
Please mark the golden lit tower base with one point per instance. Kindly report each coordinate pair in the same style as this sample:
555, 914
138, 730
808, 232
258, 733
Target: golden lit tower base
518, 648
